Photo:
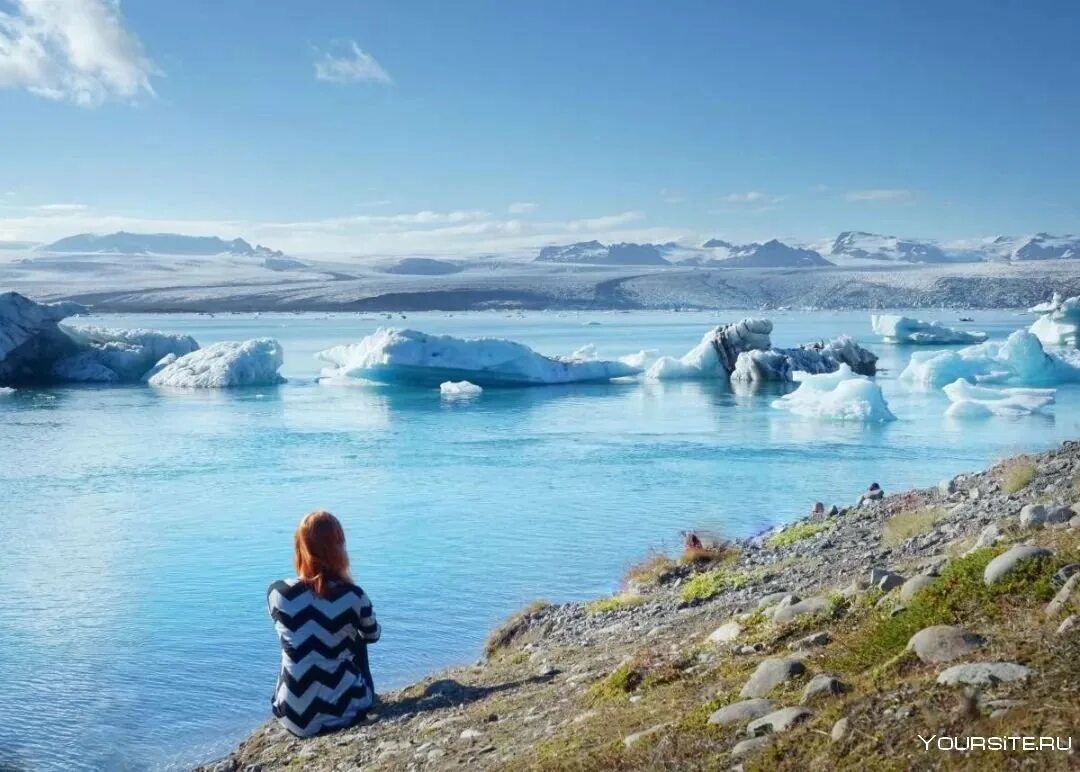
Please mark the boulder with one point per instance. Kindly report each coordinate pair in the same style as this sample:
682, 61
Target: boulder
812, 641
1068, 624
840, 729
988, 537
749, 746
1061, 599
785, 613
913, 585
778, 721
1006, 562
770, 674
983, 674
725, 633
741, 712
1059, 515
822, 685
943, 643
1032, 516
884, 579
775, 597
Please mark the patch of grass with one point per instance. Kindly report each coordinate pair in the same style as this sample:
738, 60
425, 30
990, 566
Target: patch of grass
795, 533
515, 626
907, 525
704, 586
721, 552
1016, 475
614, 603
622, 681
653, 570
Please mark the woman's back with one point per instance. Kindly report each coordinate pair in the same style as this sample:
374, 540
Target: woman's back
322, 682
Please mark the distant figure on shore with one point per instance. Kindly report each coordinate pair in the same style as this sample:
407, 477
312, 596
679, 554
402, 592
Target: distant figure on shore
818, 512
691, 541
873, 493
324, 623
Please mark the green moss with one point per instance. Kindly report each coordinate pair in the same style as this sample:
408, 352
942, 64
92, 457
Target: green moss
614, 603
704, 585
1017, 475
796, 533
622, 681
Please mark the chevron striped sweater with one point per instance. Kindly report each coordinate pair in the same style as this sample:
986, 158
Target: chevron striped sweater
322, 683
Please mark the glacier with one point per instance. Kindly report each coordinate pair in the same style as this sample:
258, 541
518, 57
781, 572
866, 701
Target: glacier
394, 356
1059, 324
1018, 361
118, 356
224, 365
904, 329
970, 401
459, 389
839, 396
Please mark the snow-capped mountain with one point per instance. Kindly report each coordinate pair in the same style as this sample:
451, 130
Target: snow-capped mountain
123, 243
1041, 246
860, 245
595, 253
772, 254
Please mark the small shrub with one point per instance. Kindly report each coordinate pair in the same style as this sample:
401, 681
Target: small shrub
1017, 475
653, 570
614, 603
796, 533
907, 525
721, 552
516, 625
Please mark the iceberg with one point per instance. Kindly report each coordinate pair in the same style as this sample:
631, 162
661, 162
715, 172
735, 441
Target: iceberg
459, 389
407, 356
813, 358
1060, 323
904, 329
224, 365
970, 401
1017, 361
839, 396
31, 340
118, 356
717, 354
6, 391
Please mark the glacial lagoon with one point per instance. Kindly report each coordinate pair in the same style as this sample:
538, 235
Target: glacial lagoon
141, 527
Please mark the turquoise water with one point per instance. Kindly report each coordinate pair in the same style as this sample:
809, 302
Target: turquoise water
141, 529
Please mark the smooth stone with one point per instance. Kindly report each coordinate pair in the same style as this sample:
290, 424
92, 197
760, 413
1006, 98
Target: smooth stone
1003, 564
988, 537
770, 674
809, 606
913, 585
749, 746
1068, 624
983, 674
1058, 515
822, 685
812, 641
1057, 605
1074, 522
777, 721
789, 599
1032, 516
943, 643
633, 739
741, 712
884, 579
725, 633
773, 598
840, 729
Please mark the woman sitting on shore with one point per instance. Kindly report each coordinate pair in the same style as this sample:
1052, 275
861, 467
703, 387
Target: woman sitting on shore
324, 623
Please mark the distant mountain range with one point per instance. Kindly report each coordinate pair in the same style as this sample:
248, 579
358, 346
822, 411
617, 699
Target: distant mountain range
849, 248
123, 243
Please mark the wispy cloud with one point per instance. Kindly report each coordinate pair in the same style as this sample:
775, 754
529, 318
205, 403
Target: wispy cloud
354, 65
60, 208
898, 195
76, 51
521, 207
753, 197
670, 196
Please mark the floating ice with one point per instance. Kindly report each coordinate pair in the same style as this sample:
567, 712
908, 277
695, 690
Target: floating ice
6, 391
979, 401
1018, 361
639, 359
222, 365
838, 396
459, 389
904, 329
717, 353
822, 357
1060, 323
407, 356
118, 356
30, 337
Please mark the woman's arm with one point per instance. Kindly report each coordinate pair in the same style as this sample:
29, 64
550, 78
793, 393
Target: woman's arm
366, 624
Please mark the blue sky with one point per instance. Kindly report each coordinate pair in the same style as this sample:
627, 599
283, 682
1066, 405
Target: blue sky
394, 127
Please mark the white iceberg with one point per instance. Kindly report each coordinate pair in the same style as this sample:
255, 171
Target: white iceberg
459, 389
407, 356
838, 396
1060, 323
904, 329
1017, 361
813, 358
717, 353
970, 401
118, 356
223, 365
6, 391
31, 340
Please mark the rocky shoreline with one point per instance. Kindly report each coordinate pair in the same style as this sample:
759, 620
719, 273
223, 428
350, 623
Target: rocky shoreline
831, 643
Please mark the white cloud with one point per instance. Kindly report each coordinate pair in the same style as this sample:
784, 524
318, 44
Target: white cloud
753, 197
521, 207
670, 196
72, 50
352, 66
880, 194
60, 208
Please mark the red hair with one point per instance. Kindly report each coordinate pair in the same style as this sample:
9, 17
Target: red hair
320, 551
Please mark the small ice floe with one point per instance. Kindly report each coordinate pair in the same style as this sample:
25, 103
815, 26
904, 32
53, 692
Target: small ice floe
904, 329
6, 391
970, 401
224, 365
838, 396
459, 389
1018, 361
1059, 324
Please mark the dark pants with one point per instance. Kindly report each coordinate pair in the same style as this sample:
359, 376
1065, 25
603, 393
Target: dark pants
361, 661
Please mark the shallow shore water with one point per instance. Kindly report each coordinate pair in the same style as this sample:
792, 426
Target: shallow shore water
149, 524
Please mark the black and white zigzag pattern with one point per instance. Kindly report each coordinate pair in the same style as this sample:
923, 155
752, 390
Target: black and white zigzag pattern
320, 685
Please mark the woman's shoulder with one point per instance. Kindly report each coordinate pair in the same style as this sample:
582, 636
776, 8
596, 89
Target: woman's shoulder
288, 588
